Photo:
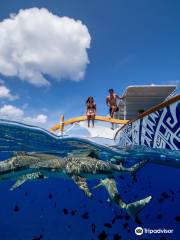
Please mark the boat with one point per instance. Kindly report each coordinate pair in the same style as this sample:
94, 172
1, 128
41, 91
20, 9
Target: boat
154, 113
149, 115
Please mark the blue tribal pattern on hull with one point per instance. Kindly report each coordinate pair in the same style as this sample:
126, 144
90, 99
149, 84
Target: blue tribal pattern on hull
160, 129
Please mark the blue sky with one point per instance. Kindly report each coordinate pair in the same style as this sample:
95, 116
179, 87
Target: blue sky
132, 42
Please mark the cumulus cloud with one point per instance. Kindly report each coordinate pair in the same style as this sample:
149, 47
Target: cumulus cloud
6, 94
36, 43
39, 119
10, 112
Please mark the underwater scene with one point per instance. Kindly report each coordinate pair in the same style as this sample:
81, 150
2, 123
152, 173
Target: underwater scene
45, 196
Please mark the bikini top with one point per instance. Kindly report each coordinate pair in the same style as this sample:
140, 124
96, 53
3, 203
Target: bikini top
91, 106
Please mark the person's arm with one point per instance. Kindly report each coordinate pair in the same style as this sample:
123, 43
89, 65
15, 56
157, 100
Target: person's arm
119, 97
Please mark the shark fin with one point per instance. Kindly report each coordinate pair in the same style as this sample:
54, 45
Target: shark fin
87, 153
82, 184
134, 208
98, 185
109, 181
139, 165
93, 154
134, 168
17, 184
117, 160
27, 177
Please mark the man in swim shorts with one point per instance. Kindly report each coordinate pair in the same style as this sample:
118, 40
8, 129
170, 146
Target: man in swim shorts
111, 102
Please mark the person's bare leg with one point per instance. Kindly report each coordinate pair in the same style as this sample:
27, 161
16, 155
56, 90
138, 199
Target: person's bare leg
93, 120
113, 112
112, 116
88, 118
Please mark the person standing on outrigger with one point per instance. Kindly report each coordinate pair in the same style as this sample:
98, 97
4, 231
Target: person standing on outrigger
111, 102
90, 110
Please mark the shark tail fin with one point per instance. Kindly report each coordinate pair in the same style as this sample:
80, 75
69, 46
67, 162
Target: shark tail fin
135, 207
133, 169
138, 166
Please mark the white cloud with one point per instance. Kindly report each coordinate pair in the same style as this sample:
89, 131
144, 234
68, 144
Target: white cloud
39, 119
11, 112
35, 43
5, 93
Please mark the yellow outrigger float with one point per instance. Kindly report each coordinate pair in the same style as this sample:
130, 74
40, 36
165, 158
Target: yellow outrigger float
60, 126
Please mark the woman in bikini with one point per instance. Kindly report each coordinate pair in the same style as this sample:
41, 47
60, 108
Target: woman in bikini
90, 110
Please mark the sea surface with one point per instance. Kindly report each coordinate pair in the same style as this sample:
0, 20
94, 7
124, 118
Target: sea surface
56, 209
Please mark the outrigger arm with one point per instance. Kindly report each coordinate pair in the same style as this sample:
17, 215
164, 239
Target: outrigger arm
60, 126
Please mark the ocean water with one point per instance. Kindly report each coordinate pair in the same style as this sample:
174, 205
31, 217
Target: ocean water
56, 209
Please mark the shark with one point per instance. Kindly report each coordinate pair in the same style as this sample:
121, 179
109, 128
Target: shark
30, 166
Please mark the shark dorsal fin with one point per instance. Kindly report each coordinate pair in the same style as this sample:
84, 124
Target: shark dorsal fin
94, 154
87, 153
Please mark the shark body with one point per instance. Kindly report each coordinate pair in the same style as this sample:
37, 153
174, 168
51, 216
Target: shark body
23, 167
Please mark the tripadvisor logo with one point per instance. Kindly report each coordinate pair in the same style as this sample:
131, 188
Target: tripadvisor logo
139, 231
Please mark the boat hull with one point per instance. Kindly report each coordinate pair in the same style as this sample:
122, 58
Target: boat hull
157, 128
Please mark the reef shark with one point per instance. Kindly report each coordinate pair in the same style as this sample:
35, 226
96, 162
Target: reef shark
25, 166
